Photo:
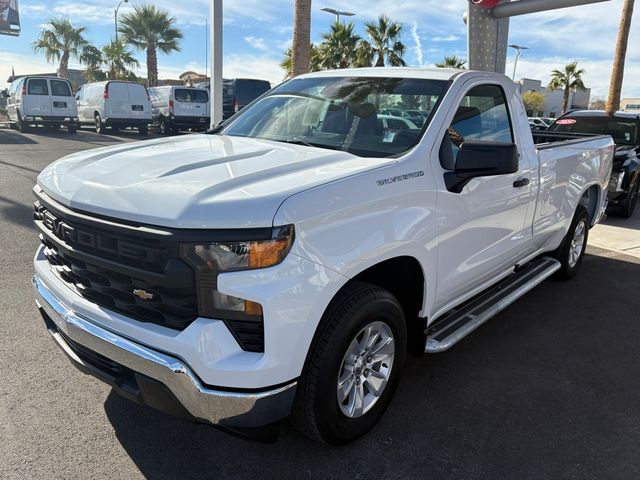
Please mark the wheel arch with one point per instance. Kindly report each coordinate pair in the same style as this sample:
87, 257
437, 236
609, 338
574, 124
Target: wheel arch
591, 199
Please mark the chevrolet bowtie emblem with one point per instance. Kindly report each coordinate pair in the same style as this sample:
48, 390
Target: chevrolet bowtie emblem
142, 294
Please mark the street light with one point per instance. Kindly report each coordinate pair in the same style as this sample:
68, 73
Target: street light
337, 13
518, 49
116, 15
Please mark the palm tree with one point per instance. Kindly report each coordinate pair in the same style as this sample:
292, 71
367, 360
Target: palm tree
91, 57
314, 65
148, 28
617, 73
118, 60
385, 41
61, 41
301, 51
339, 48
570, 80
452, 62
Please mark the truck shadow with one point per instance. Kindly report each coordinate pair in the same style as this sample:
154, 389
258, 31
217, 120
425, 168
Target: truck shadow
547, 389
16, 213
9, 137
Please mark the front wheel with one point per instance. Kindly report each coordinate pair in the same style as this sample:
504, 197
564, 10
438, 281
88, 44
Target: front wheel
353, 365
571, 252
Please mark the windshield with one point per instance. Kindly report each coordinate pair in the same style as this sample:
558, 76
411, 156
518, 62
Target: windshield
622, 130
340, 113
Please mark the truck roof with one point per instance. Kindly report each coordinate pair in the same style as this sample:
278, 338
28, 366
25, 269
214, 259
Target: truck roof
395, 72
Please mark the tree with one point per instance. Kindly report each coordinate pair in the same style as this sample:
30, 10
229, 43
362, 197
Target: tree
287, 65
452, 62
568, 80
301, 51
150, 29
61, 41
118, 61
534, 102
385, 41
91, 57
598, 104
617, 73
340, 47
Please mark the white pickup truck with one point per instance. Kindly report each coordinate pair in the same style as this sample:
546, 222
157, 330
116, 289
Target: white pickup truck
286, 262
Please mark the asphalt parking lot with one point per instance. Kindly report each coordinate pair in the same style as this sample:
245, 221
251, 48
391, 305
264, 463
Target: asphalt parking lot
547, 390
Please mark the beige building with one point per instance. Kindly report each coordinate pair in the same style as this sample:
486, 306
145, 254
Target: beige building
630, 105
553, 100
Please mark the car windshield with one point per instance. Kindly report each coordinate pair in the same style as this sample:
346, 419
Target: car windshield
622, 130
339, 113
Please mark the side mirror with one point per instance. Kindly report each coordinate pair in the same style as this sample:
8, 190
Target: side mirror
481, 159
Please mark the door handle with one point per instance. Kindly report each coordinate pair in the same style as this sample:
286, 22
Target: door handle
521, 182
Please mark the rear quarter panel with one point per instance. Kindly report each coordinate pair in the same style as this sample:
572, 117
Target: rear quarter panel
566, 172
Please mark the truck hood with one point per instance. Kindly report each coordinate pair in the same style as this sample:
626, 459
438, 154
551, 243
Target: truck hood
195, 181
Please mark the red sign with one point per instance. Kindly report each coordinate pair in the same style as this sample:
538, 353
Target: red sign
485, 3
566, 121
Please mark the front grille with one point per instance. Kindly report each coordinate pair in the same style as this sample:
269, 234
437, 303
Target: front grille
107, 266
133, 270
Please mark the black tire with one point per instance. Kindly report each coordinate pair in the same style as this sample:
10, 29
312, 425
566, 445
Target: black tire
629, 205
165, 128
143, 131
317, 412
22, 127
100, 127
569, 267
72, 128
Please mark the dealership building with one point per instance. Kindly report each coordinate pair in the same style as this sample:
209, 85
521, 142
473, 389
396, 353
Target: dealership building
553, 99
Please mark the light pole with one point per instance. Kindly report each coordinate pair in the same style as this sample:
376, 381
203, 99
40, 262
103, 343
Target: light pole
215, 38
337, 13
116, 15
518, 49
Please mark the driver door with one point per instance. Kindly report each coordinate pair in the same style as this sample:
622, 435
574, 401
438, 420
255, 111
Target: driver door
482, 228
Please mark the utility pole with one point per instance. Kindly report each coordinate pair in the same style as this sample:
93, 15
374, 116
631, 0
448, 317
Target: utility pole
116, 16
215, 89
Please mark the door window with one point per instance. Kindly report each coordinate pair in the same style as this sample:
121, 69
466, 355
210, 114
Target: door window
482, 115
38, 86
60, 88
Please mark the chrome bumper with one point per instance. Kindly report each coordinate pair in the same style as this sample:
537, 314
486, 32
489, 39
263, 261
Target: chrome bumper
218, 407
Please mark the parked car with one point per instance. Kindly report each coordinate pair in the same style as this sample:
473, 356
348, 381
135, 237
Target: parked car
177, 108
393, 112
114, 104
46, 101
397, 123
416, 116
625, 130
289, 260
237, 93
538, 123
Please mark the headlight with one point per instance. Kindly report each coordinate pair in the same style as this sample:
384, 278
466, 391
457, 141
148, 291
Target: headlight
211, 259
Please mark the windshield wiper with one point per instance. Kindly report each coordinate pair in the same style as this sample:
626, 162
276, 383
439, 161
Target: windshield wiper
297, 141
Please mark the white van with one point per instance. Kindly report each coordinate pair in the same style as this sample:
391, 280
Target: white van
176, 108
116, 104
44, 101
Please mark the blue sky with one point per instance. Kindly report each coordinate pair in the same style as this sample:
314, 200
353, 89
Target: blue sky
258, 31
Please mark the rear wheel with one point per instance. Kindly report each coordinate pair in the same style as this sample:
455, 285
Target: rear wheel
72, 128
143, 130
629, 205
100, 127
22, 127
571, 252
353, 365
165, 128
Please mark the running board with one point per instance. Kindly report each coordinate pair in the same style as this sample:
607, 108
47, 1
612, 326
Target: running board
464, 319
